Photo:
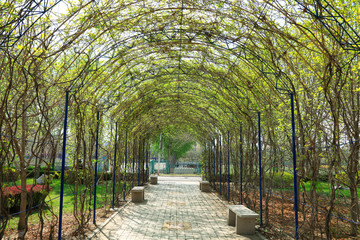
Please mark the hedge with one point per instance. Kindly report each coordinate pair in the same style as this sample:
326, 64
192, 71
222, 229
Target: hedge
10, 174
36, 194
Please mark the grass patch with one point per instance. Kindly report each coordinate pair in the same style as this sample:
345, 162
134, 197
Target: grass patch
103, 195
322, 188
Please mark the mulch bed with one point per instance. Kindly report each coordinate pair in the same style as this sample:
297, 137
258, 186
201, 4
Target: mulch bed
280, 221
69, 227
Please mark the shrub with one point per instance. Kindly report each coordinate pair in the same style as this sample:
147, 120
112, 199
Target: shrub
10, 174
108, 175
31, 173
281, 179
55, 174
323, 177
35, 193
343, 179
78, 176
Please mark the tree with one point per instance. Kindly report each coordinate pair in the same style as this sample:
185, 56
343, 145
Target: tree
175, 144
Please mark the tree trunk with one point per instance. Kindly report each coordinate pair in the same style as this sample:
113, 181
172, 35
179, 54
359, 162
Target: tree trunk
22, 226
354, 207
173, 160
353, 176
354, 171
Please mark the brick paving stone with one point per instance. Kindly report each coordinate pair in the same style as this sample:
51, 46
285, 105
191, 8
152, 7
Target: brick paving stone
173, 209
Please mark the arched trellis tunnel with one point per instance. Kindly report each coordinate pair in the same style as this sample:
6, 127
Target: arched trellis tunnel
269, 89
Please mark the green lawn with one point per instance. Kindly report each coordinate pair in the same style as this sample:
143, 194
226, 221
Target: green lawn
323, 188
68, 206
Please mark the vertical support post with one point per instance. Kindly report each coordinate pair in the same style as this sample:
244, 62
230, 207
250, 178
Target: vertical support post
147, 163
133, 165
220, 165
114, 174
143, 162
96, 162
228, 148
260, 170
241, 165
294, 165
63, 157
126, 149
214, 165
209, 171
159, 156
138, 178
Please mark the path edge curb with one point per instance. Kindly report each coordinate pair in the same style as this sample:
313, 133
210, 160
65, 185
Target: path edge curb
98, 229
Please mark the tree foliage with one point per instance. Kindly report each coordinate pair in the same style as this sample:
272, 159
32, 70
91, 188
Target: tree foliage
173, 141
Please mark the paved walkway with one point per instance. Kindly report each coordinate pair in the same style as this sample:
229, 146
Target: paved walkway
174, 209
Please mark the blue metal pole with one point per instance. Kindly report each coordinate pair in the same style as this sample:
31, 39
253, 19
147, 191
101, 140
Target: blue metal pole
220, 165
241, 166
96, 162
114, 174
260, 171
63, 164
214, 166
133, 166
209, 162
143, 163
228, 146
126, 136
147, 164
294, 166
138, 178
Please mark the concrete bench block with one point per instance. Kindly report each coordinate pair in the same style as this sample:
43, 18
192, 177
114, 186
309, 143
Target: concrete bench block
153, 179
138, 194
245, 226
242, 218
204, 186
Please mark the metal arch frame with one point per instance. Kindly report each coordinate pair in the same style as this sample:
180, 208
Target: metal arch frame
229, 96
175, 67
221, 42
346, 31
199, 9
167, 69
152, 91
31, 8
346, 36
193, 121
238, 49
199, 111
133, 114
132, 77
190, 122
280, 85
151, 126
158, 71
186, 74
